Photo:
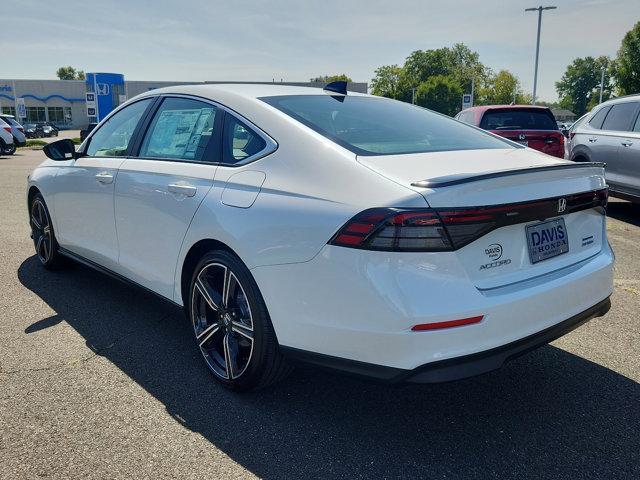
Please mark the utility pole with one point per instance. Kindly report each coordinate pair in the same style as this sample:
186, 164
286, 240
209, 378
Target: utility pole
535, 75
602, 68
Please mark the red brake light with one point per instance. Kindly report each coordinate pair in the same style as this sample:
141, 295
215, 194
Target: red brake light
393, 229
21, 129
8, 129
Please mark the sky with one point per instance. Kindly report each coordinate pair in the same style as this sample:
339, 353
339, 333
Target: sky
294, 40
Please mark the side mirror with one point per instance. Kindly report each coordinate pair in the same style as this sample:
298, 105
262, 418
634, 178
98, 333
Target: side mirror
61, 150
565, 132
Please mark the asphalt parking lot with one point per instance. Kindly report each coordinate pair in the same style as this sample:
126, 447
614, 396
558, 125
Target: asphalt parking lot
100, 380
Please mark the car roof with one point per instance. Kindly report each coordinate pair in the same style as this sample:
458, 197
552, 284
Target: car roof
241, 90
624, 98
484, 108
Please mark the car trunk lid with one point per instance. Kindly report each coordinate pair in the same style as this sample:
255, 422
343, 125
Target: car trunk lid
513, 192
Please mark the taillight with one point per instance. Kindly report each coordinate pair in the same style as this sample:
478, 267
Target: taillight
394, 229
21, 129
8, 129
446, 229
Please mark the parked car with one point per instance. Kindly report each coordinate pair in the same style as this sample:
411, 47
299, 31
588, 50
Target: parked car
7, 147
86, 131
611, 134
33, 130
48, 129
346, 230
17, 130
530, 125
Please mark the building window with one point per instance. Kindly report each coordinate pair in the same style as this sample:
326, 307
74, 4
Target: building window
59, 115
55, 114
9, 111
36, 115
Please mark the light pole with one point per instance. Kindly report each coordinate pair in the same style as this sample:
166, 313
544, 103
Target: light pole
535, 75
602, 68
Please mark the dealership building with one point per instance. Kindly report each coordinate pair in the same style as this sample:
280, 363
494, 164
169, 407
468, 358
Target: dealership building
64, 102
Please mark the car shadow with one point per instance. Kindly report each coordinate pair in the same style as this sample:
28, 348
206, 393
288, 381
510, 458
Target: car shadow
624, 211
549, 414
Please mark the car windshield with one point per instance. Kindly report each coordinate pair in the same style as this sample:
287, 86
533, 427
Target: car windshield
380, 126
518, 119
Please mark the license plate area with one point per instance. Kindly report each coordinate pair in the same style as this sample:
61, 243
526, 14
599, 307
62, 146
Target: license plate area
547, 239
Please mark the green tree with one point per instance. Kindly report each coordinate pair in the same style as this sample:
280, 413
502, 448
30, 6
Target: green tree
331, 78
580, 85
502, 88
626, 68
70, 73
441, 93
386, 82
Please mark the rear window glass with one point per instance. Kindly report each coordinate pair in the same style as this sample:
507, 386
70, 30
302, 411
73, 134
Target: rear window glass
512, 119
10, 121
380, 126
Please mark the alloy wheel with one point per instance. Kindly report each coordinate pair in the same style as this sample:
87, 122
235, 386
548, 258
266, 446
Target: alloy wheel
222, 321
41, 229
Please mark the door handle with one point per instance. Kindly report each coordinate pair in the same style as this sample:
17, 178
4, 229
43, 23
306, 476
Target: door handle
183, 189
104, 177
593, 139
627, 143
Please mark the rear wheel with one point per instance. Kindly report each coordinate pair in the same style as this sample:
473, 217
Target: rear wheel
231, 324
44, 239
10, 149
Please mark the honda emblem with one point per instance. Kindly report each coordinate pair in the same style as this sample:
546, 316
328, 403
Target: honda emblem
562, 205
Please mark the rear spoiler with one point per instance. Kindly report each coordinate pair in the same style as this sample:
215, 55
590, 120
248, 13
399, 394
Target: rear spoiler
461, 178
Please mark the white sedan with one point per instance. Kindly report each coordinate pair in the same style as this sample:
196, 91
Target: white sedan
346, 230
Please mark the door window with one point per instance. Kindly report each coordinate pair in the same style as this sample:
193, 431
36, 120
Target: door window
598, 118
113, 137
240, 142
620, 117
181, 130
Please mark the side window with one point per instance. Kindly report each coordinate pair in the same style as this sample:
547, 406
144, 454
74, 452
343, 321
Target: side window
112, 138
181, 129
620, 117
240, 141
598, 118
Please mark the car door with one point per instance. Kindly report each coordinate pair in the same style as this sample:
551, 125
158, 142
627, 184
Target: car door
160, 187
629, 155
84, 214
615, 128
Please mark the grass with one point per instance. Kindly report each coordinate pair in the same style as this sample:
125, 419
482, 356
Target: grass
35, 143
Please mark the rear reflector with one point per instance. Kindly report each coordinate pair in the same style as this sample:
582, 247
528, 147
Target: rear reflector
447, 229
448, 324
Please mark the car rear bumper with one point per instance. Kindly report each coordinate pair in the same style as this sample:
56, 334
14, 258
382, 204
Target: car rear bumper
455, 368
361, 306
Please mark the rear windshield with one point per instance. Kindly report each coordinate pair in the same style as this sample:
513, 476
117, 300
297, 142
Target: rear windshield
379, 126
516, 119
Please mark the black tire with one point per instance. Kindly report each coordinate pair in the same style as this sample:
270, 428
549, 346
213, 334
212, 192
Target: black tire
10, 149
239, 326
44, 239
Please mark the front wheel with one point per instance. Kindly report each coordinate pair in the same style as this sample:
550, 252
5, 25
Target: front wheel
231, 324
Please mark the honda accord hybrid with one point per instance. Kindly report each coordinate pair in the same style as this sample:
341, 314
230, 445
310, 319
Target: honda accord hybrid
319, 225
